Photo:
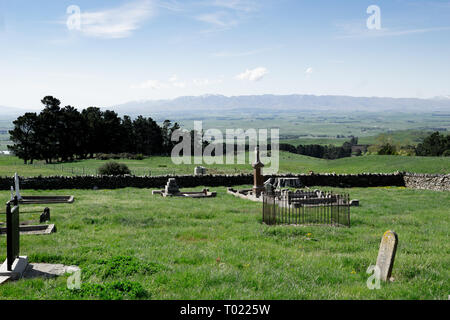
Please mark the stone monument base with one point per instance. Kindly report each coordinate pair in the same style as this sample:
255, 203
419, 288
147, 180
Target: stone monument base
18, 268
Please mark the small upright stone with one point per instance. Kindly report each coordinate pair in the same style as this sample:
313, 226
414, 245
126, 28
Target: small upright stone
199, 171
172, 187
386, 254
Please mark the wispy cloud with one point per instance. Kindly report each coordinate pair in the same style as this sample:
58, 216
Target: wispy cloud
227, 54
150, 84
218, 19
356, 30
225, 14
175, 82
253, 74
117, 22
238, 5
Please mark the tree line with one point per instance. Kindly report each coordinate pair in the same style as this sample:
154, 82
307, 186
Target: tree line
64, 134
323, 152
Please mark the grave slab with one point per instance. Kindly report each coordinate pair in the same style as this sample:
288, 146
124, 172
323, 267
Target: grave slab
18, 268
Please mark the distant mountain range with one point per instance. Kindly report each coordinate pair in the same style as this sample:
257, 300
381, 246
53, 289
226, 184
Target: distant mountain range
219, 103
215, 104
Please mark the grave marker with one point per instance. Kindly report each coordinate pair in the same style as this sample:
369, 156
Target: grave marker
386, 254
12, 235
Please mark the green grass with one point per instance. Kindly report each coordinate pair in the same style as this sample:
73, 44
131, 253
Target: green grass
289, 163
399, 137
132, 245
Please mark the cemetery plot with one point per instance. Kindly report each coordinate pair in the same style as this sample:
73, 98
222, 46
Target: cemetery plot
306, 207
36, 199
172, 190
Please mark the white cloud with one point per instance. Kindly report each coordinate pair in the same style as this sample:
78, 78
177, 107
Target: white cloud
238, 5
253, 75
352, 30
117, 22
175, 82
219, 19
205, 82
226, 54
150, 84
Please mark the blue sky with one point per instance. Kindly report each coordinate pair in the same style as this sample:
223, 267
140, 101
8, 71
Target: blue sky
157, 49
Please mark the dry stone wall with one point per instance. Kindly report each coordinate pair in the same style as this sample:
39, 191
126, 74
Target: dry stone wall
438, 182
410, 180
188, 181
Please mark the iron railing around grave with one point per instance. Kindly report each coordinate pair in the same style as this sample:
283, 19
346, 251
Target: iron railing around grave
306, 208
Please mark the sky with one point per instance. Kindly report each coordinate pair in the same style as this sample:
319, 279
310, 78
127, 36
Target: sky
108, 52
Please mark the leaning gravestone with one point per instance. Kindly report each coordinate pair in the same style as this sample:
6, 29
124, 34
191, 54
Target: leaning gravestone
386, 254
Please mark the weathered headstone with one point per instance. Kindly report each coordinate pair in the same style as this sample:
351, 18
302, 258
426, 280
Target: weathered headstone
386, 254
289, 182
172, 187
45, 216
16, 184
199, 171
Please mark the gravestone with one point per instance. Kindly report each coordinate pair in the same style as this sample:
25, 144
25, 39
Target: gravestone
199, 171
45, 216
172, 187
12, 235
16, 184
289, 182
386, 254
269, 188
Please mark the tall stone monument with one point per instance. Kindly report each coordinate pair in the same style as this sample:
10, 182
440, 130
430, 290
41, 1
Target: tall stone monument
258, 179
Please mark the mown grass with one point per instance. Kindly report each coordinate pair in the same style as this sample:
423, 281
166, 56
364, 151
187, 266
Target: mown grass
289, 163
132, 245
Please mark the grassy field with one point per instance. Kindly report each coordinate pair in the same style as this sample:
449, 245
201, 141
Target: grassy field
400, 137
158, 248
289, 163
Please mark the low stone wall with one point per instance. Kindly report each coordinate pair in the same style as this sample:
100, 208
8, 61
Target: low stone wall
188, 181
438, 182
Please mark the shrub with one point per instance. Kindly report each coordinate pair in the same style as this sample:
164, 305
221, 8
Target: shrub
113, 169
387, 149
446, 153
123, 155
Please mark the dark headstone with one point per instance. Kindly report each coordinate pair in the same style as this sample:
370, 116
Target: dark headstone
45, 216
12, 233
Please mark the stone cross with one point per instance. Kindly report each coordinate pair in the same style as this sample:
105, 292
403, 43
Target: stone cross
386, 254
258, 183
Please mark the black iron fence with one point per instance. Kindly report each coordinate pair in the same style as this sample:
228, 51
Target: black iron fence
306, 208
